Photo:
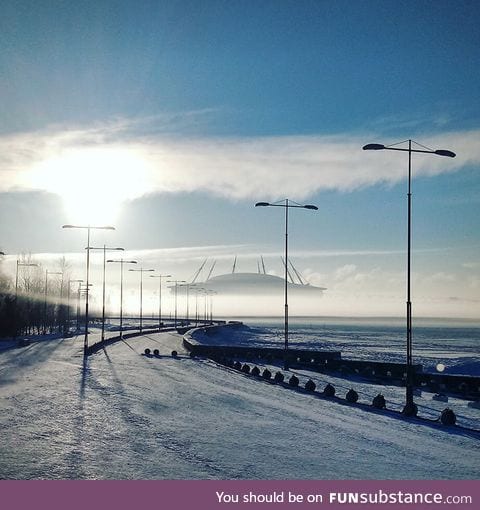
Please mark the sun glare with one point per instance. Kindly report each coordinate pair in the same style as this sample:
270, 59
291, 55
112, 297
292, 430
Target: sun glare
93, 183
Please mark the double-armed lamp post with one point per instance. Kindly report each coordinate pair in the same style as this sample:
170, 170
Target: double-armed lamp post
286, 204
88, 228
121, 262
105, 249
69, 290
176, 282
410, 408
160, 276
141, 271
47, 272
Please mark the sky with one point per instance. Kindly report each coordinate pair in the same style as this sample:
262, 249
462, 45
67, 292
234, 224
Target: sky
170, 120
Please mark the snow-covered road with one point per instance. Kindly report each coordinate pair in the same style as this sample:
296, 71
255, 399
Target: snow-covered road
123, 415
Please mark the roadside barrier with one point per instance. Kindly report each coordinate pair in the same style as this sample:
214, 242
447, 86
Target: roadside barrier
266, 374
329, 390
255, 371
448, 417
351, 396
293, 381
379, 402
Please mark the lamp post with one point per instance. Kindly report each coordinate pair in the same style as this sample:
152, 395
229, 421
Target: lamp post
410, 408
88, 228
141, 271
104, 248
196, 304
176, 282
82, 291
121, 262
286, 204
68, 302
211, 293
160, 276
47, 272
188, 286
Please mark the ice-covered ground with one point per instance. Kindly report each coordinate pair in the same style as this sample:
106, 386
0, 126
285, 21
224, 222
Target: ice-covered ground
124, 415
453, 345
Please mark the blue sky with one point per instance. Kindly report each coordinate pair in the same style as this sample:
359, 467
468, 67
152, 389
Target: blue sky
179, 116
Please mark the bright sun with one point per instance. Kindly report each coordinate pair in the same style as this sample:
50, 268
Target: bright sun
93, 183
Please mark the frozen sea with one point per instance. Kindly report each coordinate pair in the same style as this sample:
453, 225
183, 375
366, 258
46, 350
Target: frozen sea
123, 415
455, 344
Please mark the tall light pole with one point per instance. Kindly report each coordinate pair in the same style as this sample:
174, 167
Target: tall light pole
141, 271
121, 262
47, 272
188, 286
160, 276
104, 248
88, 228
176, 282
286, 204
82, 291
410, 408
69, 290
211, 293
197, 290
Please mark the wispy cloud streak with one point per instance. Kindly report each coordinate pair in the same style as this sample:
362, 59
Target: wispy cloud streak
236, 168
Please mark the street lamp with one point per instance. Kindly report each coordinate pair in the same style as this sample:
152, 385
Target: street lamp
82, 291
141, 271
68, 301
210, 293
188, 286
286, 204
121, 262
105, 249
88, 228
176, 282
410, 408
197, 291
47, 272
160, 276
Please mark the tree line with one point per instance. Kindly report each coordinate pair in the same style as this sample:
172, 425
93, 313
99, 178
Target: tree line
34, 302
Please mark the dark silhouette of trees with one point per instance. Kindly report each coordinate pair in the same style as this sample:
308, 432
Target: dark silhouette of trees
25, 308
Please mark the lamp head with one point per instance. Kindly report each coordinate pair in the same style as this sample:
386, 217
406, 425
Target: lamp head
373, 147
442, 152
262, 204
310, 206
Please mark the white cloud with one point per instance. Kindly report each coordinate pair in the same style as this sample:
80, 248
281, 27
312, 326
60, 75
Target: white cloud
237, 168
471, 265
342, 272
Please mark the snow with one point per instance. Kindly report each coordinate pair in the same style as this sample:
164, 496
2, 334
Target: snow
124, 415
